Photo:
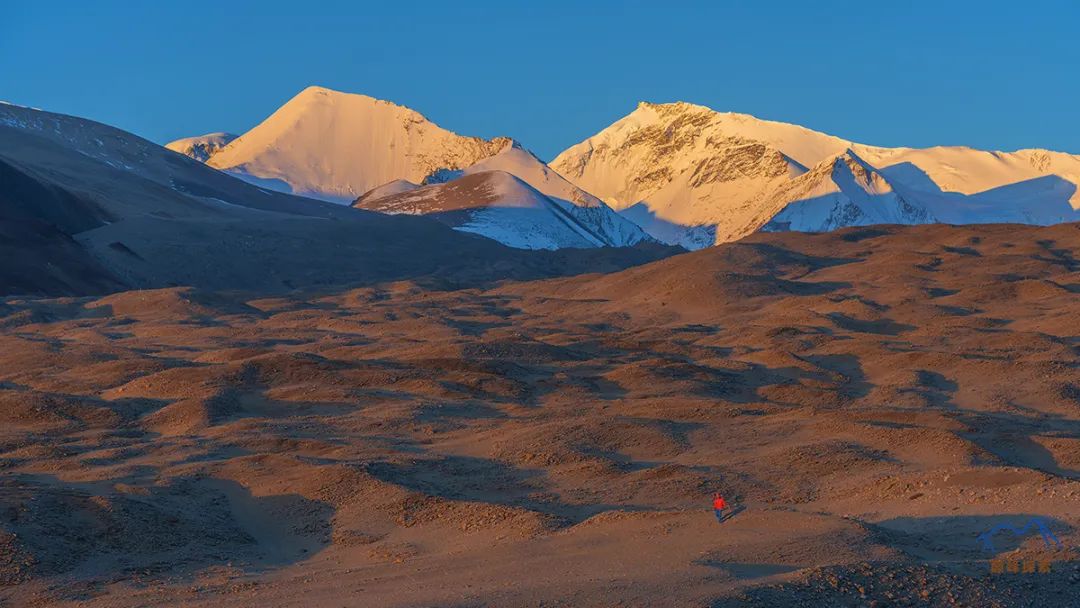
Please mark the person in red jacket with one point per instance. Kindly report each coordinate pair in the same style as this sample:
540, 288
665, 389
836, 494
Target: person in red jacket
718, 505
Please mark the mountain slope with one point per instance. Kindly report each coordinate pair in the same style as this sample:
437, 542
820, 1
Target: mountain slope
613, 229
693, 176
398, 186
497, 205
660, 145
128, 176
87, 208
333, 145
37, 253
839, 192
516, 160
202, 147
336, 146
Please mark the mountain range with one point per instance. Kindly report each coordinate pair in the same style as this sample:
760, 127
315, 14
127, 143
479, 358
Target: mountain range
336, 146
86, 208
89, 208
689, 174
502, 392
514, 198
682, 173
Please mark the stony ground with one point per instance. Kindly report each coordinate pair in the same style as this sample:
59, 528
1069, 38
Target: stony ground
870, 400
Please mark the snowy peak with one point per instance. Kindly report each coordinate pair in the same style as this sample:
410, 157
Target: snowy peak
687, 145
315, 95
609, 228
849, 167
838, 192
336, 146
494, 204
684, 171
802, 145
203, 147
970, 172
518, 161
475, 191
503, 206
651, 111
398, 186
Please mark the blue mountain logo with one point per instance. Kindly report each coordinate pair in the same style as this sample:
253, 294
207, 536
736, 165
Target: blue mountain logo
986, 538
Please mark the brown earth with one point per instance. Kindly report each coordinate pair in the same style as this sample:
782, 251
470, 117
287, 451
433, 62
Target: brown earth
871, 400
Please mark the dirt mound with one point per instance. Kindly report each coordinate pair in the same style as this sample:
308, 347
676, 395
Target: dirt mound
186, 416
58, 531
21, 408
174, 303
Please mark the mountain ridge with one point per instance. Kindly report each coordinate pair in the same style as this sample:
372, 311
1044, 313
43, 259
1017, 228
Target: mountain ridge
684, 173
202, 147
86, 208
680, 168
505, 207
330, 145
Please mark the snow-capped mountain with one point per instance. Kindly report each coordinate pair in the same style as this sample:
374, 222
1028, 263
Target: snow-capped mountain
88, 208
515, 159
398, 186
201, 148
683, 173
599, 219
336, 146
693, 176
130, 177
840, 191
490, 200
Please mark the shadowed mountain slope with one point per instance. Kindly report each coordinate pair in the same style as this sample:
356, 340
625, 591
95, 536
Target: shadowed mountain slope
126, 212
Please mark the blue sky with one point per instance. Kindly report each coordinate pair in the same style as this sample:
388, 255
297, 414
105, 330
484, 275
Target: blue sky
998, 75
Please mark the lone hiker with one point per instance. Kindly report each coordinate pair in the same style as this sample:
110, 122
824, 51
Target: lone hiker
718, 505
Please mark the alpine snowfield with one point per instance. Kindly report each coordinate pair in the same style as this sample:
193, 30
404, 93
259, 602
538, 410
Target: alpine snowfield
679, 173
337, 146
202, 147
694, 176
559, 213
503, 207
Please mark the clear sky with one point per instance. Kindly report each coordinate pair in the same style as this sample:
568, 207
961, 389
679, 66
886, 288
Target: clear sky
997, 75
